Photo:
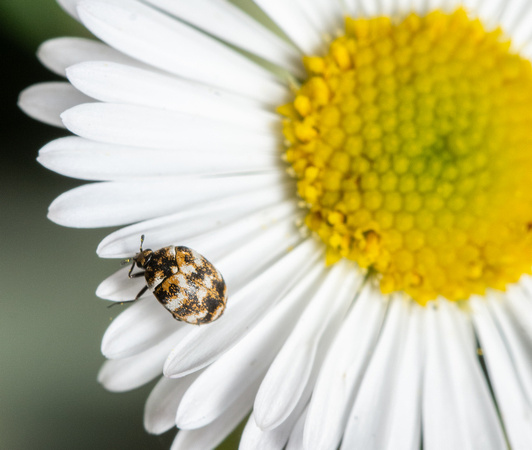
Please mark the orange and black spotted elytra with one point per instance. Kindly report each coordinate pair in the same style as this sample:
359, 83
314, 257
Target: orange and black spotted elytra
183, 281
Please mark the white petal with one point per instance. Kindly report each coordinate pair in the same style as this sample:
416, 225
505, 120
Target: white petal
489, 12
390, 7
120, 375
447, 6
515, 410
325, 15
141, 126
118, 287
352, 8
118, 83
518, 342
343, 369
288, 375
246, 362
192, 221
205, 344
70, 7
249, 258
289, 16
387, 410
515, 21
417, 6
59, 53
88, 160
453, 381
156, 39
295, 441
230, 24
335, 12
255, 438
117, 203
138, 328
520, 304
214, 433
162, 403
369, 8
46, 101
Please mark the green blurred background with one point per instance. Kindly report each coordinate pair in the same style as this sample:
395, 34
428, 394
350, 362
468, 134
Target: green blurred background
51, 323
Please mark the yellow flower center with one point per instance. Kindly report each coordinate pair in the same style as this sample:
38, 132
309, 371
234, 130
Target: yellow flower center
412, 146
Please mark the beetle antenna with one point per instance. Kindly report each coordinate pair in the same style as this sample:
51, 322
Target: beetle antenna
128, 260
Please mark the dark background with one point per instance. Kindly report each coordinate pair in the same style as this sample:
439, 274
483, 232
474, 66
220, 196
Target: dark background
51, 323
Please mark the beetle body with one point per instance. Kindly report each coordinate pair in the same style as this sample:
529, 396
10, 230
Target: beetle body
184, 282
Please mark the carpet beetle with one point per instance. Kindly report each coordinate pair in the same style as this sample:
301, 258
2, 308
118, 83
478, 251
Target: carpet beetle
183, 281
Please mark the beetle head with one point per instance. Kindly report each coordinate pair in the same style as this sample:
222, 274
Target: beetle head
142, 259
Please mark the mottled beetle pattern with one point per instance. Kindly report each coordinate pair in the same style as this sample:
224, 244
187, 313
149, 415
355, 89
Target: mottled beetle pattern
183, 281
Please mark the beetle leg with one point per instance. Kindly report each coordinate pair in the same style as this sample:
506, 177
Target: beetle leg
136, 275
144, 289
131, 270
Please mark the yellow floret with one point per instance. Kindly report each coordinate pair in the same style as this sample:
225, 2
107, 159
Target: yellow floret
411, 143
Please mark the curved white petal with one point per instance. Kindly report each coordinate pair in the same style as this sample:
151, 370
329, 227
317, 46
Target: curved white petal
119, 83
139, 327
515, 409
120, 375
368, 8
213, 434
520, 305
517, 341
162, 403
515, 21
47, 101
387, 410
489, 12
295, 441
227, 22
118, 287
325, 15
203, 218
453, 381
447, 6
288, 375
154, 38
88, 160
141, 126
205, 344
247, 362
291, 18
343, 369
118, 203
251, 257
353, 8
254, 438
70, 6
59, 53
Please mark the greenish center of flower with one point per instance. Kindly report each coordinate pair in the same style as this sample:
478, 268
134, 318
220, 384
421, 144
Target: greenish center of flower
412, 146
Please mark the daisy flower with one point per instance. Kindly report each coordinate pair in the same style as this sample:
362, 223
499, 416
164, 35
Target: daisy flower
360, 177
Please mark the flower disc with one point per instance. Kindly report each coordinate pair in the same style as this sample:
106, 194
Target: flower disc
411, 143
